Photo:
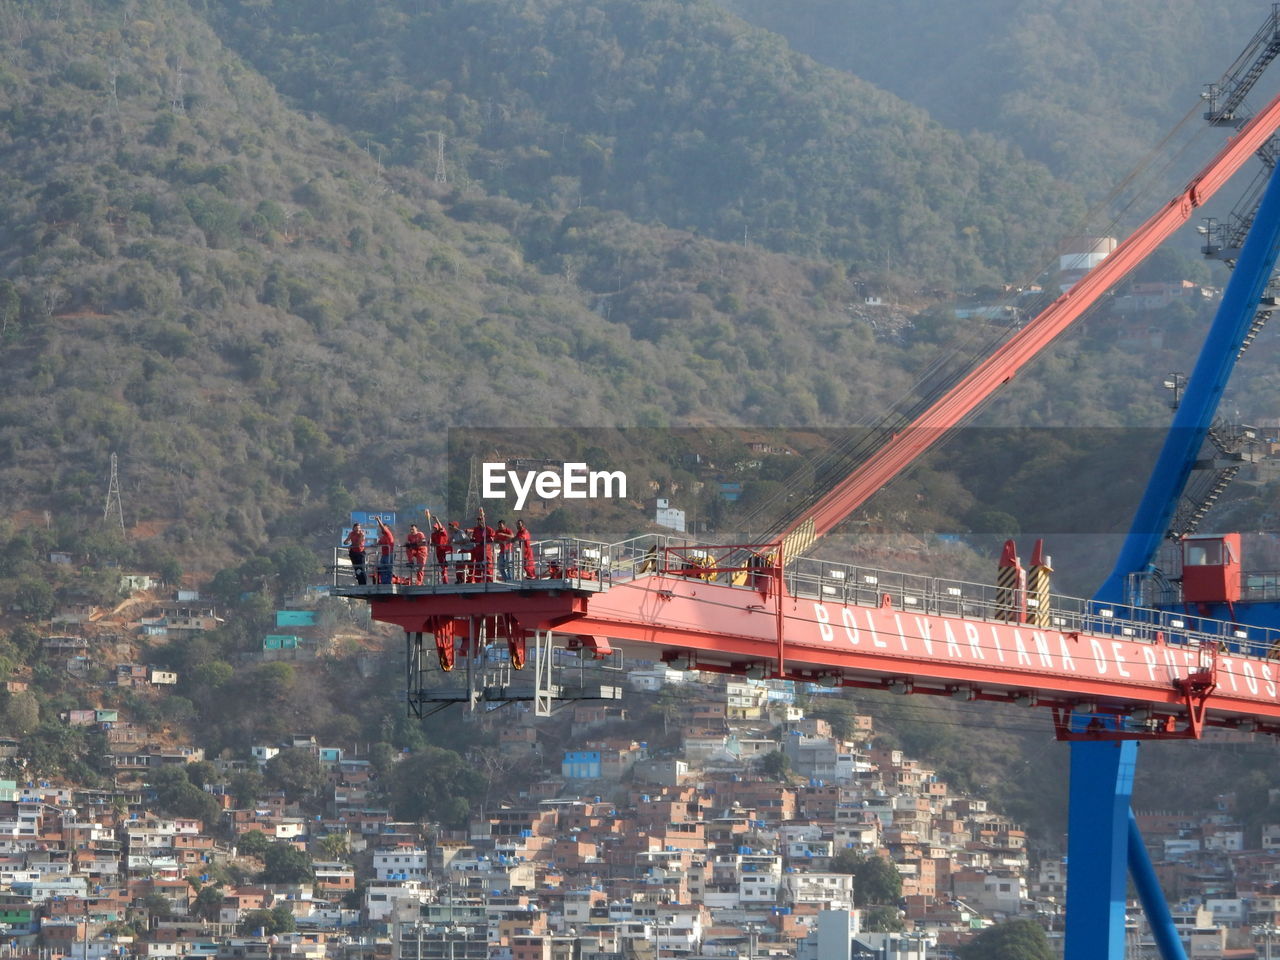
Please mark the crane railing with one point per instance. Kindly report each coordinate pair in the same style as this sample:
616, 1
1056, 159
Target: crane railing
590, 566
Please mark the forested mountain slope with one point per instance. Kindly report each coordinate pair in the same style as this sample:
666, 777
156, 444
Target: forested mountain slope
1086, 87
666, 110
257, 315
270, 314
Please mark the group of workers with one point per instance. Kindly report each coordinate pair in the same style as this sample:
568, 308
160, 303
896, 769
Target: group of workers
469, 552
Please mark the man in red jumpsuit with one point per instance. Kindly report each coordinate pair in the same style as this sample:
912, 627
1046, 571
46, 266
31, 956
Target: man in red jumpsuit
482, 551
415, 548
355, 550
440, 540
386, 552
525, 540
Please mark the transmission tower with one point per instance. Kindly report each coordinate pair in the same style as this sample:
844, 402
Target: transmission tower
177, 100
114, 510
441, 176
473, 493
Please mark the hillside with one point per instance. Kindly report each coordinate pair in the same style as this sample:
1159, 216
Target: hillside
264, 320
667, 111
1088, 88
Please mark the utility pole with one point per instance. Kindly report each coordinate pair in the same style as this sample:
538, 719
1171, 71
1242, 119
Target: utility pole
114, 506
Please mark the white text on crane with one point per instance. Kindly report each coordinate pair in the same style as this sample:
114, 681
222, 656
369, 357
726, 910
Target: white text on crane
573, 481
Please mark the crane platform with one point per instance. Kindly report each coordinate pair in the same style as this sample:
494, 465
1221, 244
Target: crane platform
703, 607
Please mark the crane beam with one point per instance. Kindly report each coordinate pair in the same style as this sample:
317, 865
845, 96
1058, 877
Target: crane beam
1002, 365
1091, 657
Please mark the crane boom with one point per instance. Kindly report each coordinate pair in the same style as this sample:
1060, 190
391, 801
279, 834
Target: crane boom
1002, 365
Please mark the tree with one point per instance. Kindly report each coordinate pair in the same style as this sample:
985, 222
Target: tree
253, 844
158, 906
883, 919
1012, 940
21, 712
296, 771
838, 713
335, 845
246, 785
34, 597
285, 863
276, 920
296, 566
208, 902
434, 784
169, 570
10, 305
283, 919
876, 881
846, 861
776, 766
383, 756
177, 795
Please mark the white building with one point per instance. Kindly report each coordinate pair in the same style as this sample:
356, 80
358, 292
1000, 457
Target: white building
832, 891
401, 863
1081, 256
399, 900
665, 515
832, 937
653, 679
837, 935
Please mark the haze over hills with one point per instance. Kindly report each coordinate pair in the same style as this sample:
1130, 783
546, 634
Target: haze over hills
667, 111
1088, 88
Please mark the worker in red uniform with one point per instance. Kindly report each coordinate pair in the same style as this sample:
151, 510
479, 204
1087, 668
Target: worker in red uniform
460, 547
386, 552
440, 540
525, 540
415, 548
355, 550
504, 536
482, 550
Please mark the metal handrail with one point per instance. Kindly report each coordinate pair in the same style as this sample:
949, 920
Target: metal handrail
556, 558
596, 564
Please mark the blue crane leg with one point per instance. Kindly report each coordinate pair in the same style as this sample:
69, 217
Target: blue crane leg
1152, 896
1097, 848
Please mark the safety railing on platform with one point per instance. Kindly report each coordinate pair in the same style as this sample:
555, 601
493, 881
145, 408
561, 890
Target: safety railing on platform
580, 561
1165, 589
592, 564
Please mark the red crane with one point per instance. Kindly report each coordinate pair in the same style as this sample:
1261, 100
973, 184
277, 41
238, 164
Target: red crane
764, 610
777, 614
